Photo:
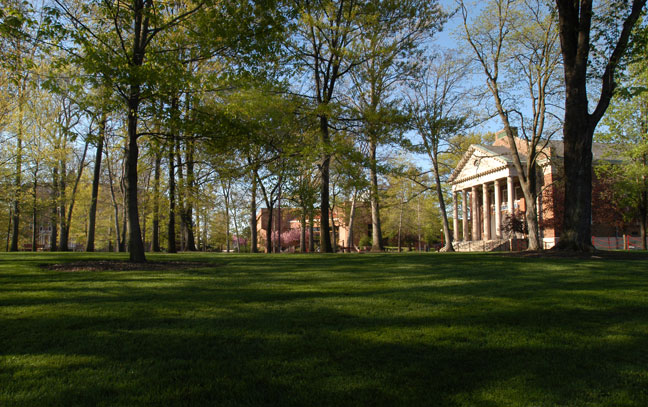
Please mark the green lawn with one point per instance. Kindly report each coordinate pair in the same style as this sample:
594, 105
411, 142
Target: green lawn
317, 330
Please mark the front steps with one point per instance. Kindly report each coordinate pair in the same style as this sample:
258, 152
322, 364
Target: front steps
497, 245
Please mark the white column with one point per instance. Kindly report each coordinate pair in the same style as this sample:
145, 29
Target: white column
455, 216
474, 213
486, 209
498, 210
464, 208
509, 193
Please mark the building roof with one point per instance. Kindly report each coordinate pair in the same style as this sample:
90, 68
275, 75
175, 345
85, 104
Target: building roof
555, 149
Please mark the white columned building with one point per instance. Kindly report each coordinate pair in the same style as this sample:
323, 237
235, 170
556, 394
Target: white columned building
487, 194
485, 181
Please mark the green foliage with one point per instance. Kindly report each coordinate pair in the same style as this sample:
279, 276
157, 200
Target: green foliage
365, 241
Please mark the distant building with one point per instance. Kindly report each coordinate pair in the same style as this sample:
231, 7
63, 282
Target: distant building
487, 193
291, 221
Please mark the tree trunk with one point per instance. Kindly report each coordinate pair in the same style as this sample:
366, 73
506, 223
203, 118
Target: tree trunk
278, 242
400, 223
575, 21
171, 247
577, 231
442, 207
311, 231
114, 203
63, 229
269, 230
643, 218
376, 232
54, 218
182, 189
34, 212
530, 191
302, 231
253, 218
156, 202
334, 235
227, 220
92, 216
236, 230
191, 239
135, 244
325, 228
124, 227
18, 175
351, 243
226, 195
204, 231
9, 229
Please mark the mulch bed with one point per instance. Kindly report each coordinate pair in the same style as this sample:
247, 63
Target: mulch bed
120, 265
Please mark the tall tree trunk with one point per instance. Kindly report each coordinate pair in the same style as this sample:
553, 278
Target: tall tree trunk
278, 242
334, 242
531, 213
352, 212
236, 230
302, 231
156, 202
136, 59
18, 175
575, 22
311, 230
325, 227
269, 229
34, 209
113, 198
442, 207
643, 216
92, 216
400, 223
577, 136
253, 218
226, 188
54, 220
376, 232
135, 243
204, 230
124, 227
70, 209
418, 221
171, 247
9, 229
63, 229
182, 189
189, 202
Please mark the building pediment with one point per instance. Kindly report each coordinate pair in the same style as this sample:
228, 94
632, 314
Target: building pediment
479, 161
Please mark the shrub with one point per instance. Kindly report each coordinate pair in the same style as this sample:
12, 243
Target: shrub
365, 241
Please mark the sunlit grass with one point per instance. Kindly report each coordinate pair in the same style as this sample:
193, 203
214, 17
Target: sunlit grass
295, 330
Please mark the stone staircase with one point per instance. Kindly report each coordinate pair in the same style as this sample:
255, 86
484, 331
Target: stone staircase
498, 245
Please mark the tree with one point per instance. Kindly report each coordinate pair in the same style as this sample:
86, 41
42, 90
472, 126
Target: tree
116, 48
522, 37
627, 134
20, 34
325, 36
133, 46
577, 24
393, 35
438, 115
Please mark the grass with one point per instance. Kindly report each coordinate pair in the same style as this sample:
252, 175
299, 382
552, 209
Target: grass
318, 330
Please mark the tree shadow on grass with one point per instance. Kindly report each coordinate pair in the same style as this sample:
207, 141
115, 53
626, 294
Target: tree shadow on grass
290, 357
394, 331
